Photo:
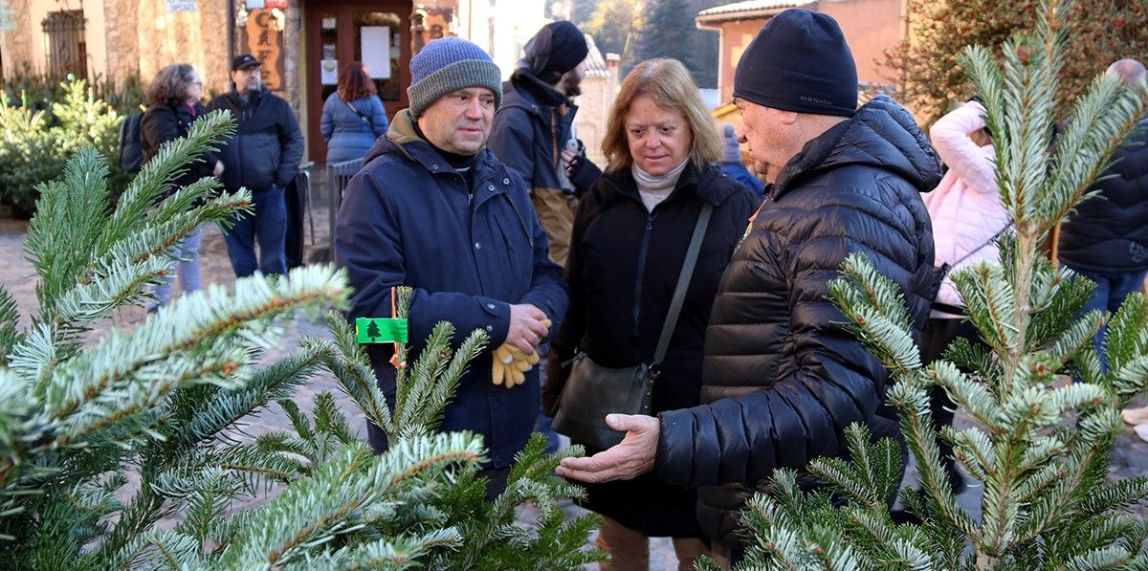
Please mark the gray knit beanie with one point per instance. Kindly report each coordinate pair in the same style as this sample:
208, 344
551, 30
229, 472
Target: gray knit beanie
447, 65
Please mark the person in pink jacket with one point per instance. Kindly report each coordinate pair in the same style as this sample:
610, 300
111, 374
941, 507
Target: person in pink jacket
967, 217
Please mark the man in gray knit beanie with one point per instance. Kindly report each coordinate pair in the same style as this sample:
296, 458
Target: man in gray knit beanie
433, 209
448, 65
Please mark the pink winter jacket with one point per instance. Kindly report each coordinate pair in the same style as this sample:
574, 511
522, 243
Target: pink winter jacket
966, 206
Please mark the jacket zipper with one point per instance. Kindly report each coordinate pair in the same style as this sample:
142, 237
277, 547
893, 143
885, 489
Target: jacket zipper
635, 312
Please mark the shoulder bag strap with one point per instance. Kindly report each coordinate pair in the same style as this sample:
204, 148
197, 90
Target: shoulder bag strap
982, 246
365, 119
683, 283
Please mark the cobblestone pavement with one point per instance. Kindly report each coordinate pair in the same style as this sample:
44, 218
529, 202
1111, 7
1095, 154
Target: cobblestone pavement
1130, 456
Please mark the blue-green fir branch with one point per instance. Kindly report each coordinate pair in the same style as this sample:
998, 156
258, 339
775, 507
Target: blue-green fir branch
181, 329
352, 370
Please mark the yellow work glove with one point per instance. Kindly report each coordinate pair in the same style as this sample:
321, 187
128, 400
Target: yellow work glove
511, 364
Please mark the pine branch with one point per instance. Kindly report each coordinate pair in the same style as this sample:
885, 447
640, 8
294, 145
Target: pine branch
199, 418
190, 341
9, 325
333, 500
352, 369
143, 192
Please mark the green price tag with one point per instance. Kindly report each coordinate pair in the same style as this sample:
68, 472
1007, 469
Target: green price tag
380, 330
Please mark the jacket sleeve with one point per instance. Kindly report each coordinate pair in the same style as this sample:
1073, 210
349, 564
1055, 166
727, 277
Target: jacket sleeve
547, 287
565, 343
327, 120
157, 126
950, 137
378, 116
512, 140
369, 245
583, 174
833, 381
291, 143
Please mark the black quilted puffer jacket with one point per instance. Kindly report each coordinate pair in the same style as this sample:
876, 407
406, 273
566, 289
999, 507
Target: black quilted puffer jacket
782, 376
1107, 234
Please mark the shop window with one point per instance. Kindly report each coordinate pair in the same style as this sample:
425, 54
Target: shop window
66, 50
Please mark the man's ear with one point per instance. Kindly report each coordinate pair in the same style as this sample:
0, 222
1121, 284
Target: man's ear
786, 117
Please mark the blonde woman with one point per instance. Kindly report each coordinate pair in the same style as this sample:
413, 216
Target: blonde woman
630, 237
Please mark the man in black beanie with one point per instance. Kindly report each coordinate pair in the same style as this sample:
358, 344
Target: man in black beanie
535, 124
782, 375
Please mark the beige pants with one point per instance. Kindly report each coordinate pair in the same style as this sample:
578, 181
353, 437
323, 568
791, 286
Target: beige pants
630, 550
555, 210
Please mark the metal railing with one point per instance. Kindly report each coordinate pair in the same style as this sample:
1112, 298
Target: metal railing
338, 175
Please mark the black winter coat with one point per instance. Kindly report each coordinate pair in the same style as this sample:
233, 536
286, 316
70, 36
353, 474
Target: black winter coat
267, 146
1108, 234
162, 123
782, 376
623, 267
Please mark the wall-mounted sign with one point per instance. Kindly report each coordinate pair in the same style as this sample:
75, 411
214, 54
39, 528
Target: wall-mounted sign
281, 4
264, 40
254, 4
181, 6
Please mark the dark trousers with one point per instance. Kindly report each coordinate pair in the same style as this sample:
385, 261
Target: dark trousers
938, 334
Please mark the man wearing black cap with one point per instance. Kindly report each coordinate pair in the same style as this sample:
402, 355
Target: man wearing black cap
535, 123
262, 156
782, 375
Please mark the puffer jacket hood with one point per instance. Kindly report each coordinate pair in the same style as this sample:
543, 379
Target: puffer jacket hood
882, 135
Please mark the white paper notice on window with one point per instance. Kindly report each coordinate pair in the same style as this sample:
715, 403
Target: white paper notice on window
376, 50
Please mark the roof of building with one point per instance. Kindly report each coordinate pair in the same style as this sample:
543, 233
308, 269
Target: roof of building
594, 65
748, 9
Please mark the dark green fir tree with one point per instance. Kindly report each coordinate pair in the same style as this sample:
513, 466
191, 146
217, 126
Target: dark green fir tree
1039, 444
83, 412
668, 31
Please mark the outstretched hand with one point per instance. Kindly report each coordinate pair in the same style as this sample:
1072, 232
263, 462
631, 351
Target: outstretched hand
631, 458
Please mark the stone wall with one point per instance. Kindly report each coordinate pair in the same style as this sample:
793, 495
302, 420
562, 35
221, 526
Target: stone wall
17, 42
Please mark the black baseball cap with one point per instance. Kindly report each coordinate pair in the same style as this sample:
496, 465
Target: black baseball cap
244, 61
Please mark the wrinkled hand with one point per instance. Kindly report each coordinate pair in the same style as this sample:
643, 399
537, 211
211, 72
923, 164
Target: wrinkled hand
528, 327
631, 458
218, 170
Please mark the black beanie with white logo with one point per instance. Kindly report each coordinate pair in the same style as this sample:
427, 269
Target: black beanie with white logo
799, 61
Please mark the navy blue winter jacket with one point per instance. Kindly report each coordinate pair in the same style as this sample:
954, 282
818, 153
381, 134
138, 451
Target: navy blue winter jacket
351, 128
1107, 234
267, 146
531, 128
469, 252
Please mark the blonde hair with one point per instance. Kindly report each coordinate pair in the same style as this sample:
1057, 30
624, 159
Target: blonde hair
667, 82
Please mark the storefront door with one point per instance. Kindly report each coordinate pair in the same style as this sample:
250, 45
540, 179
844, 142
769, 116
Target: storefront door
376, 33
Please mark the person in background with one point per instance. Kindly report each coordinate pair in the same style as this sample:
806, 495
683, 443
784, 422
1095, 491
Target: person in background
732, 166
174, 102
1106, 238
783, 375
630, 237
533, 126
533, 134
435, 210
967, 217
262, 156
353, 116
